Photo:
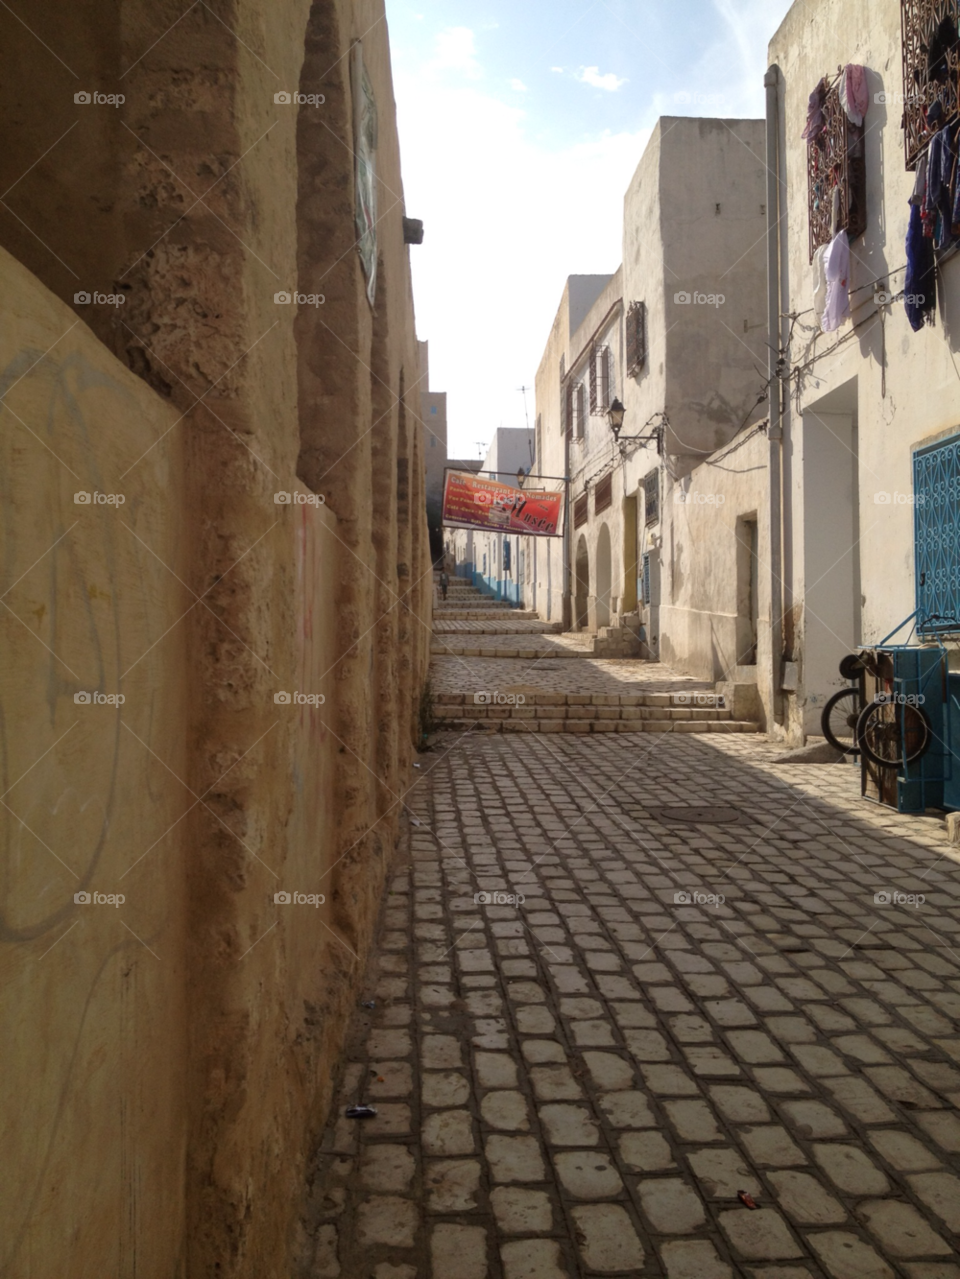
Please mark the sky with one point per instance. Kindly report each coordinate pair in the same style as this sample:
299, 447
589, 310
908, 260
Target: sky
521, 123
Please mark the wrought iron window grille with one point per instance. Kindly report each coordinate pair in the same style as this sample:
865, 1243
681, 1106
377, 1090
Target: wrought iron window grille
636, 322
931, 70
651, 498
580, 400
836, 161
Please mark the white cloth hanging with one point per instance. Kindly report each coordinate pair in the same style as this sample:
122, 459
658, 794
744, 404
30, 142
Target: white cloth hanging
837, 270
820, 282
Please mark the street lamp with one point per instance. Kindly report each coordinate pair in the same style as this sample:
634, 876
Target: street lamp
615, 415
521, 477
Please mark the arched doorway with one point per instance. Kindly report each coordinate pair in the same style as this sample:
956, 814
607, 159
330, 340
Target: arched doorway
604, 577
581, 611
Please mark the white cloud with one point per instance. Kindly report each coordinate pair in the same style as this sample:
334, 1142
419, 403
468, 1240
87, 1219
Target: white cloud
559, 70
455, 50
592, 76
518, 86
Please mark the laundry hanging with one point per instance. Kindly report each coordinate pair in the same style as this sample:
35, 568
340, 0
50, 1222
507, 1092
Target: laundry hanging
919, 286
820, 283
815, 121
854, 97
836, 265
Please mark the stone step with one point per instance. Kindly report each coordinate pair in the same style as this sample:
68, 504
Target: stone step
684, 705
481, 615
472, 650
481, 605
581, 726
614, 713
481, 628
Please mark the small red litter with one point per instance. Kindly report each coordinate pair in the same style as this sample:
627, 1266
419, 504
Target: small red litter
747, 1200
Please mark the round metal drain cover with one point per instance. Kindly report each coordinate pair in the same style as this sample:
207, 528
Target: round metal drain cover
714, 815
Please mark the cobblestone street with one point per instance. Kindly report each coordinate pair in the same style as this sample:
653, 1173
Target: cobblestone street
709, 998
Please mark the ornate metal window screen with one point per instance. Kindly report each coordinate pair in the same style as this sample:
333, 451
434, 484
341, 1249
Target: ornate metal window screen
580, 511
566, 405
926, 78
645, 578
936, 488
581, 410
636, 337
606, 377
651, 498
836, 159
603, 494
594, 386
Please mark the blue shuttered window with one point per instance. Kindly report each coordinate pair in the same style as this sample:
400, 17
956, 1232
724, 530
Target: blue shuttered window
645, 578
936, 487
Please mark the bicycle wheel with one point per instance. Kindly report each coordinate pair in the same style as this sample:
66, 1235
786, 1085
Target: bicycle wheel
891, 735
839, 720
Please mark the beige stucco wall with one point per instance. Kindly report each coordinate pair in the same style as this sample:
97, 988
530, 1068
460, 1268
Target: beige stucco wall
94, 1120
704, 610
178, 1097
904, 386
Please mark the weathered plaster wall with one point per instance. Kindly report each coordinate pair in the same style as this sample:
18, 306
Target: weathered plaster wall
199, 198
94, 1118
904, 385
705, 607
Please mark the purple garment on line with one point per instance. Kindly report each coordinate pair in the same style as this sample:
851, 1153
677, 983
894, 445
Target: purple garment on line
919, 286
940, 200
815, 122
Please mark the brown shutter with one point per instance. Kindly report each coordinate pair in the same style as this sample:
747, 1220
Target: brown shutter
580, 511
594, 401
603, 494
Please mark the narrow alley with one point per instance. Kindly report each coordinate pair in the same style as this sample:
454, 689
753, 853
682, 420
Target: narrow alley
663, 1007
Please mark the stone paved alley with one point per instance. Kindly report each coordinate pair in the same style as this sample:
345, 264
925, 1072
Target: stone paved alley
585, 1083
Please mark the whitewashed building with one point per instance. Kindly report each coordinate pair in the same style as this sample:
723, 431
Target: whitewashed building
495, 562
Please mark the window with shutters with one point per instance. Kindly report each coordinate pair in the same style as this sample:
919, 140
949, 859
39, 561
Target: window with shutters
936, 519
594, 387
603, 494
651, 498
580, 413
566, 408
636, 323
580, 511
931, 65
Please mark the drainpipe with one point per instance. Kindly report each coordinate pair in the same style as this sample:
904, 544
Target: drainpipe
776, 211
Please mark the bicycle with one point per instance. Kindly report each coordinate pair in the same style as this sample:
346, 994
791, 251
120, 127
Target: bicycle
840, 716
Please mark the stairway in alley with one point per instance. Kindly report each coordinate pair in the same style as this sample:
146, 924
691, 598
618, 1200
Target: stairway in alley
502, 670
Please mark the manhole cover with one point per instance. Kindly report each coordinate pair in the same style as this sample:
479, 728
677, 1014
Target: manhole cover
713, 815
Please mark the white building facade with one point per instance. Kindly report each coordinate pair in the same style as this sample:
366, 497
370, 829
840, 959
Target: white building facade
496, 562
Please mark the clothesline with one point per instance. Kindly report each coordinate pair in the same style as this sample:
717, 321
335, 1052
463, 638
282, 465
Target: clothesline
872, 284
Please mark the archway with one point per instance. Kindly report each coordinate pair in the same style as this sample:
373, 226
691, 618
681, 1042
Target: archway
581, 611
604, 577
